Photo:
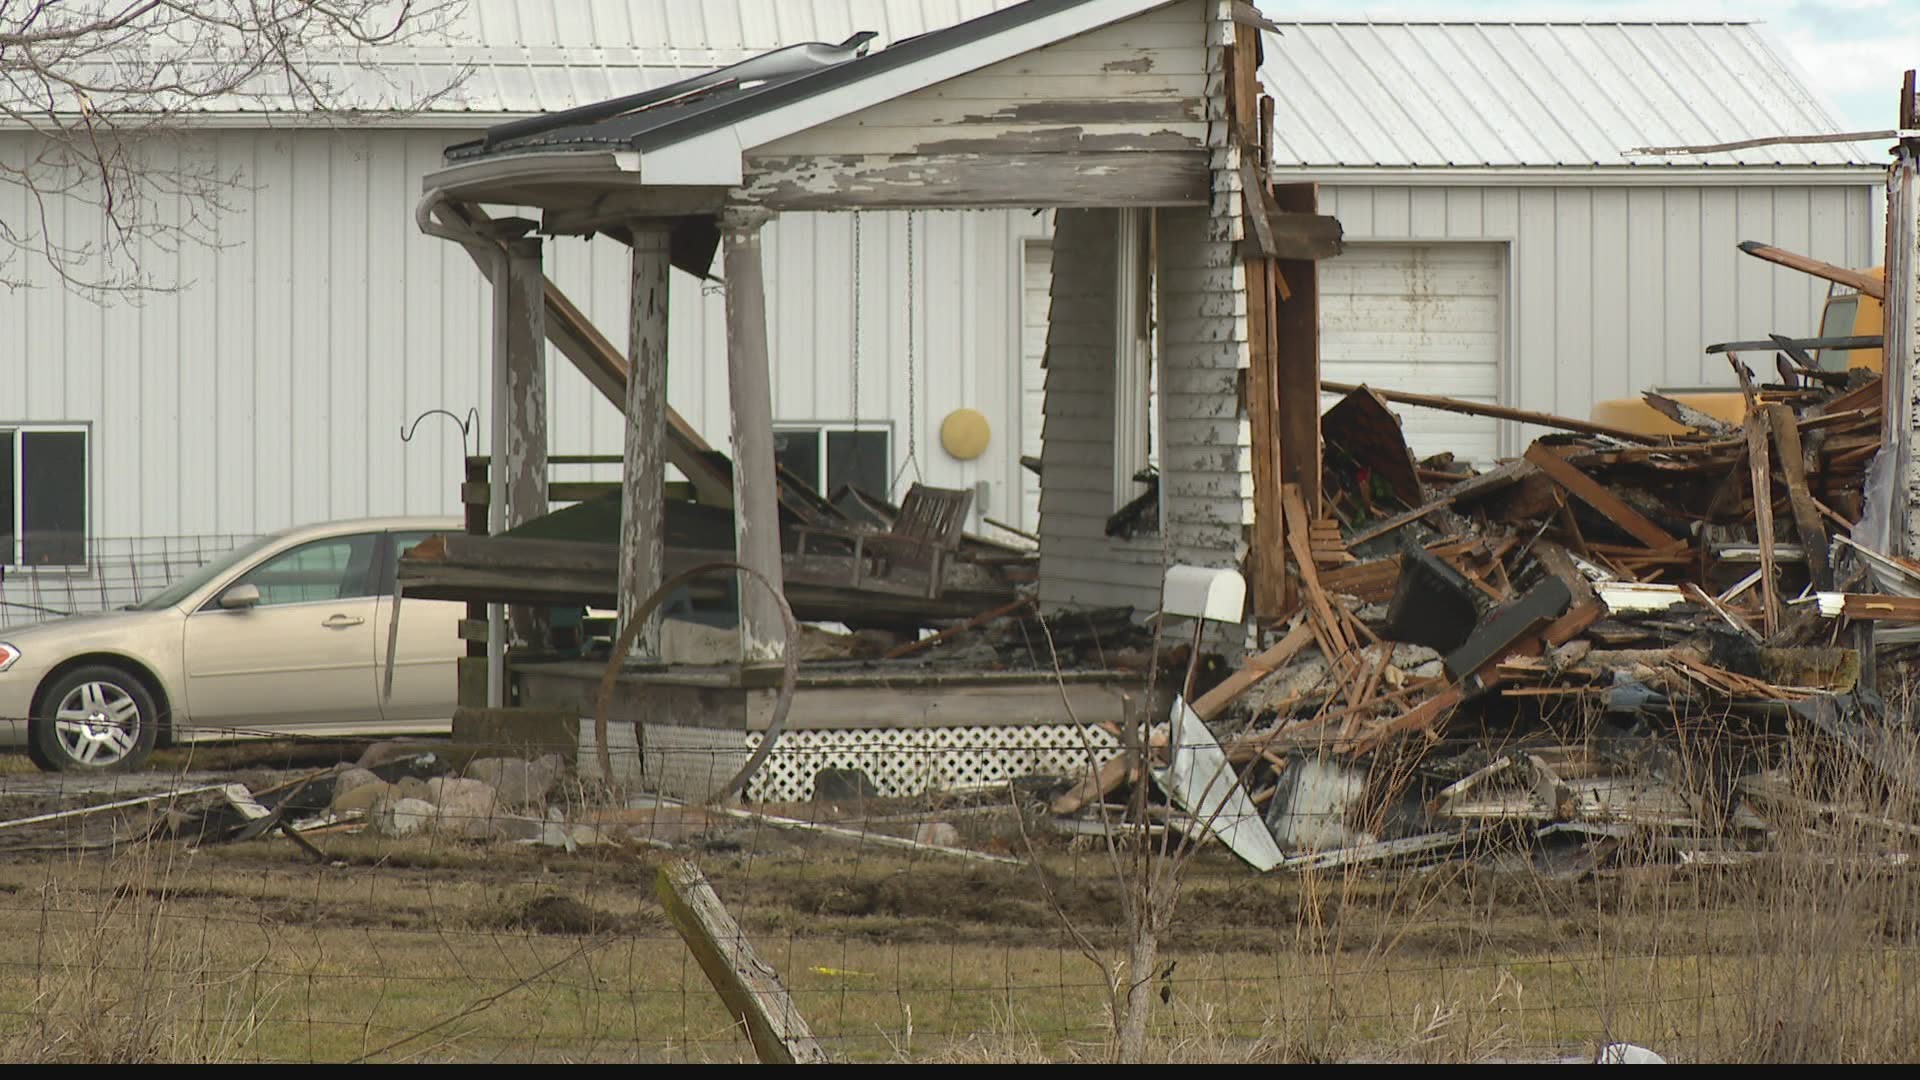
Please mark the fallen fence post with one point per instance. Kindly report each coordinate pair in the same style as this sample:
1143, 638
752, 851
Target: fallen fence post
751, 989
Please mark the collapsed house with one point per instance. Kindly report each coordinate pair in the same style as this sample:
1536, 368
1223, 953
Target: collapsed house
1179, 270
1638, 575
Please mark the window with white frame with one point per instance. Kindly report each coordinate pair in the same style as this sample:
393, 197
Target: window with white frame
1135, 449
829, 456
43, 495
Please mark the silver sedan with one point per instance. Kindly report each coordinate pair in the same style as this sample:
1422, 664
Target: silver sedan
286, 635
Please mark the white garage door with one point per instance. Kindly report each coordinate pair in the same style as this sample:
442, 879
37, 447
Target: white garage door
1426, 318
1036, 280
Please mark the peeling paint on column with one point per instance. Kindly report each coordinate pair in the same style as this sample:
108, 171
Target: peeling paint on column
526, 410
643, 476
749, 382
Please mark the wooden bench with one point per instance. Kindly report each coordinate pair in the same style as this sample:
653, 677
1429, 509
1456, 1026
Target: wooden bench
924, 534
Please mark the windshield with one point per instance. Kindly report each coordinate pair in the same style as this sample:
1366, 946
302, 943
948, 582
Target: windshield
185, 587
1838, 322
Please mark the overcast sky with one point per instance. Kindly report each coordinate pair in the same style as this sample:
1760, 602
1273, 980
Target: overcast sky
1851, 51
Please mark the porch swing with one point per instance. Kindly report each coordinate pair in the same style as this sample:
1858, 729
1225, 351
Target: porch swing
911, 554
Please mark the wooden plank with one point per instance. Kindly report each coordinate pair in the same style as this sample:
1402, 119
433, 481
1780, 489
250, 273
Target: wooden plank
1864, 283
1501, 412
1263, 421
1873, 607
1295, 325
1761, 477
1806, 517
1589, 491
1094, 786
751, 990
1252, 673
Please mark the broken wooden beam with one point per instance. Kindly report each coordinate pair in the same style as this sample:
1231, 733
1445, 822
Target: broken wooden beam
1501, 412
1806, 518
750, 988
1252, 673
1591, 492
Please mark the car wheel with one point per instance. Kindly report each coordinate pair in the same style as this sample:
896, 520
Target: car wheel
96, 718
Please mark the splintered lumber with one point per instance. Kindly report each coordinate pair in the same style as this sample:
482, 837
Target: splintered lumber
1762, 480
1094, 786
1806, 519
751, 990
1589, 491
1869, 607
1865, 283
1686, 415
1425, 715
1499, 412
976, 622
1251, 674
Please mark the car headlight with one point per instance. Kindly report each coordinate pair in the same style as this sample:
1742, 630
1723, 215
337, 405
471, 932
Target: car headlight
8, 654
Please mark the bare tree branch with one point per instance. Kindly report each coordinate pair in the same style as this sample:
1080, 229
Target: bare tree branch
100, 101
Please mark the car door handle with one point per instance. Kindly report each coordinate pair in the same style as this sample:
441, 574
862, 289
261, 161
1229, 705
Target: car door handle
341, 622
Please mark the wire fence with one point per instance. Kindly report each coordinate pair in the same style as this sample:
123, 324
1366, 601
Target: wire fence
268, 901
120, 570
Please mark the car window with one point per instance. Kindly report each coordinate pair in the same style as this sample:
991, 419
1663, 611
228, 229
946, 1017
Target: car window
402, 543
332, 569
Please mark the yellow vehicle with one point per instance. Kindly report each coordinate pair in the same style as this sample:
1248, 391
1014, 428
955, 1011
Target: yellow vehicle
1853, 310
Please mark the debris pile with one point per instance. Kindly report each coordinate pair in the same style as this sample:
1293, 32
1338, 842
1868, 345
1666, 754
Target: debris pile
1544, 641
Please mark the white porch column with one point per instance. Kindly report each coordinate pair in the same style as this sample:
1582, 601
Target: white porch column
526, 411
643, 475
756, 512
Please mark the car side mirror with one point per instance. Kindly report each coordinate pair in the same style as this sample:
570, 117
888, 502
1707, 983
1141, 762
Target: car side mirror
240, 597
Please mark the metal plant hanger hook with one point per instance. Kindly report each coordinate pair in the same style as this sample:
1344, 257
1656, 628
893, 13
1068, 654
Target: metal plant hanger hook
466, 426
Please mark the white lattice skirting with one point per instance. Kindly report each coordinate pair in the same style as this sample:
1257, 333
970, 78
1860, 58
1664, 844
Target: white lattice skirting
906, 762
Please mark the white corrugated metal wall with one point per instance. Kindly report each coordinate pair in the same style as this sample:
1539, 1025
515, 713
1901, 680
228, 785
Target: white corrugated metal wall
1617, 289
269, 388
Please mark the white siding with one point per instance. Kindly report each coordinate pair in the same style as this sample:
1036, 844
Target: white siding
1205, 482
1612, 290
1035, 287
270, 387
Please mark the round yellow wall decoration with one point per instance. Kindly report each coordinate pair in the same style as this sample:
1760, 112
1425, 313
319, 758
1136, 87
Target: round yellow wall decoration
965, 434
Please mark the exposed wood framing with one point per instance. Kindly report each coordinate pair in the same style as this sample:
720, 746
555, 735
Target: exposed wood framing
526, 386
756, 515
643, 472
1246, 182
1296, 336
1901, 348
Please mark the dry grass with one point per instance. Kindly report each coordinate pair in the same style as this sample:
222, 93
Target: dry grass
430, 950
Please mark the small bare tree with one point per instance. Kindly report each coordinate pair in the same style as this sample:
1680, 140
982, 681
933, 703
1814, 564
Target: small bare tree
90, 88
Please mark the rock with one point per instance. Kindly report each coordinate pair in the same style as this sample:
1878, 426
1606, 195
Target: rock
466, 806
412, 787
936, 833
519, 782
402, 817
363, 796
351, 777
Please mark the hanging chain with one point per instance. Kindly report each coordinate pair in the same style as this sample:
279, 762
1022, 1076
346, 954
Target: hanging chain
913, 411
856, 320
